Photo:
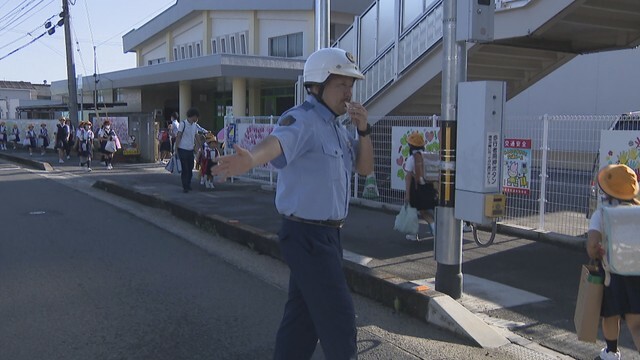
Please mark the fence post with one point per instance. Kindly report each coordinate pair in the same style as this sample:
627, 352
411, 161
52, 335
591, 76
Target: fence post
543, 169
270, 166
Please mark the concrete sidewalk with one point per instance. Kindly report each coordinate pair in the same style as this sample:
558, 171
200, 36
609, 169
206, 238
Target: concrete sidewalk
517, 290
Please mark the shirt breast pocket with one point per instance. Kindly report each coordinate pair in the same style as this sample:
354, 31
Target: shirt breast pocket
333, 158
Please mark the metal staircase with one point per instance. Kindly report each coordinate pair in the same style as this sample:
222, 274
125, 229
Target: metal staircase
532, 39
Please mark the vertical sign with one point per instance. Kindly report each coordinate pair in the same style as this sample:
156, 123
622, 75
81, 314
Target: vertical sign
516, 170
491, 161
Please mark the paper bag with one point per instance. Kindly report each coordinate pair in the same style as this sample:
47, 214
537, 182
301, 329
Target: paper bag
587, 315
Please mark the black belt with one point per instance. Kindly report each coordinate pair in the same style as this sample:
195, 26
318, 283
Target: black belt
330, 223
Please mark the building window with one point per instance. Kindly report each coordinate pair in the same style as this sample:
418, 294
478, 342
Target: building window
286, 45
232, 44
118, 95
198, 50
156, 61
190, 51
98, 96
223, 46
175, 53
182, 53
243, 44
214, 47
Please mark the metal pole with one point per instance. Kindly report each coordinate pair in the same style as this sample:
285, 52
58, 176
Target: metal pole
81, 98
71, 67
448, 250
322, 20
543, 169
95, 83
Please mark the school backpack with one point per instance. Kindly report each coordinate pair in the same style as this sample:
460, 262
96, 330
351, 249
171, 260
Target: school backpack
621, 240
163, 135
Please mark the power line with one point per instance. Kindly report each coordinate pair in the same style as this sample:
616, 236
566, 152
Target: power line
19, 15
24, 46
139, 22
73, 28
28, 33
50, 31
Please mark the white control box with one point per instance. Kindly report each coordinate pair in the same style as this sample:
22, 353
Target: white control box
475, 20
479, 149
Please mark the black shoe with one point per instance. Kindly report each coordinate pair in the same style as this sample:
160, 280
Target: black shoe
185, 190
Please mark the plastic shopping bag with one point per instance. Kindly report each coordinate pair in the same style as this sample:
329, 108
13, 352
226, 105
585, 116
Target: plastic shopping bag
174, 166
110, 146
407, 220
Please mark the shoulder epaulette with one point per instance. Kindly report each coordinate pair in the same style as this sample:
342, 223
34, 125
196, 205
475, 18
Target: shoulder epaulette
306, 106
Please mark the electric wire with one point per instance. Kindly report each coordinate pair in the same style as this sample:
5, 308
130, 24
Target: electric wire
5, 3
145, 19
13, 11
28, 33
16, 17
84, 67
24, 46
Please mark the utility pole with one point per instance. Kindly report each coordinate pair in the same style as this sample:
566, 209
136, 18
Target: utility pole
448, 249
71, 67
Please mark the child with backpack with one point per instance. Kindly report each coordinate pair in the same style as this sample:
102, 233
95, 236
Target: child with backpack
30, 139
43, 139
420, 189
164, 146
621, 296
208, 154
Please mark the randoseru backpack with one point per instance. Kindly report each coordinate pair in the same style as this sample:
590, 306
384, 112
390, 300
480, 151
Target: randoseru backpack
621, 239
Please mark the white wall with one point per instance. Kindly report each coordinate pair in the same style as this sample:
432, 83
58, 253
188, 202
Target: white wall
601, 84
223, 23
191, 31
159, 51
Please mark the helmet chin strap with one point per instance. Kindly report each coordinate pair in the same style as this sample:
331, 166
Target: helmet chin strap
319, 98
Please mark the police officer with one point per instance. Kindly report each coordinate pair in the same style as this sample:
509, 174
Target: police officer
315, 156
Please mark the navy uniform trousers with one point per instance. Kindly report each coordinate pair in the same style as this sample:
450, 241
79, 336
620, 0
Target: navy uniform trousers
319, 304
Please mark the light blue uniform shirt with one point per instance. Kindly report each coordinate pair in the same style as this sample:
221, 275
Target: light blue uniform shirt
314, 177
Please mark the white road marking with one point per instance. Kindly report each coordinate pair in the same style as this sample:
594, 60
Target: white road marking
480, 295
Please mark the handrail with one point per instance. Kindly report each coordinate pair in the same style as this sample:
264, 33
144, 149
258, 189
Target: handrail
410, 44
419, 38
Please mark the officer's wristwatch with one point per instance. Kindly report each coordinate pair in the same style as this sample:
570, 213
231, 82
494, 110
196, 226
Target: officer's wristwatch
366, 131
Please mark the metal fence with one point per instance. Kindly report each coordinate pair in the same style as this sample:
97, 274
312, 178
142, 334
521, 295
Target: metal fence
563, 158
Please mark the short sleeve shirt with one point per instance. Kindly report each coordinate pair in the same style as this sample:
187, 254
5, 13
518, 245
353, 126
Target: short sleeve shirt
410, 164
316, 164
188, 135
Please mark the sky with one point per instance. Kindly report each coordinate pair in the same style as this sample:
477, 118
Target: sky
99, 23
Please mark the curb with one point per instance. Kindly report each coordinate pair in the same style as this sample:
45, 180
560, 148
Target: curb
375, 284
38, 165
549, 237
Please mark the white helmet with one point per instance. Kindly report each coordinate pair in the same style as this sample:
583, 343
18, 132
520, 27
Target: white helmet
327, 61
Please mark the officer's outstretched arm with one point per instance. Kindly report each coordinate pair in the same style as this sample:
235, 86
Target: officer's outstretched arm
244, 160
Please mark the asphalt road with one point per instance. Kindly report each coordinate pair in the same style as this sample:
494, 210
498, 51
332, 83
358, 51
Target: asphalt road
85, 275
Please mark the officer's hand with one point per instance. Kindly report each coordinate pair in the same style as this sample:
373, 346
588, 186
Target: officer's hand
358, 115
233, 165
